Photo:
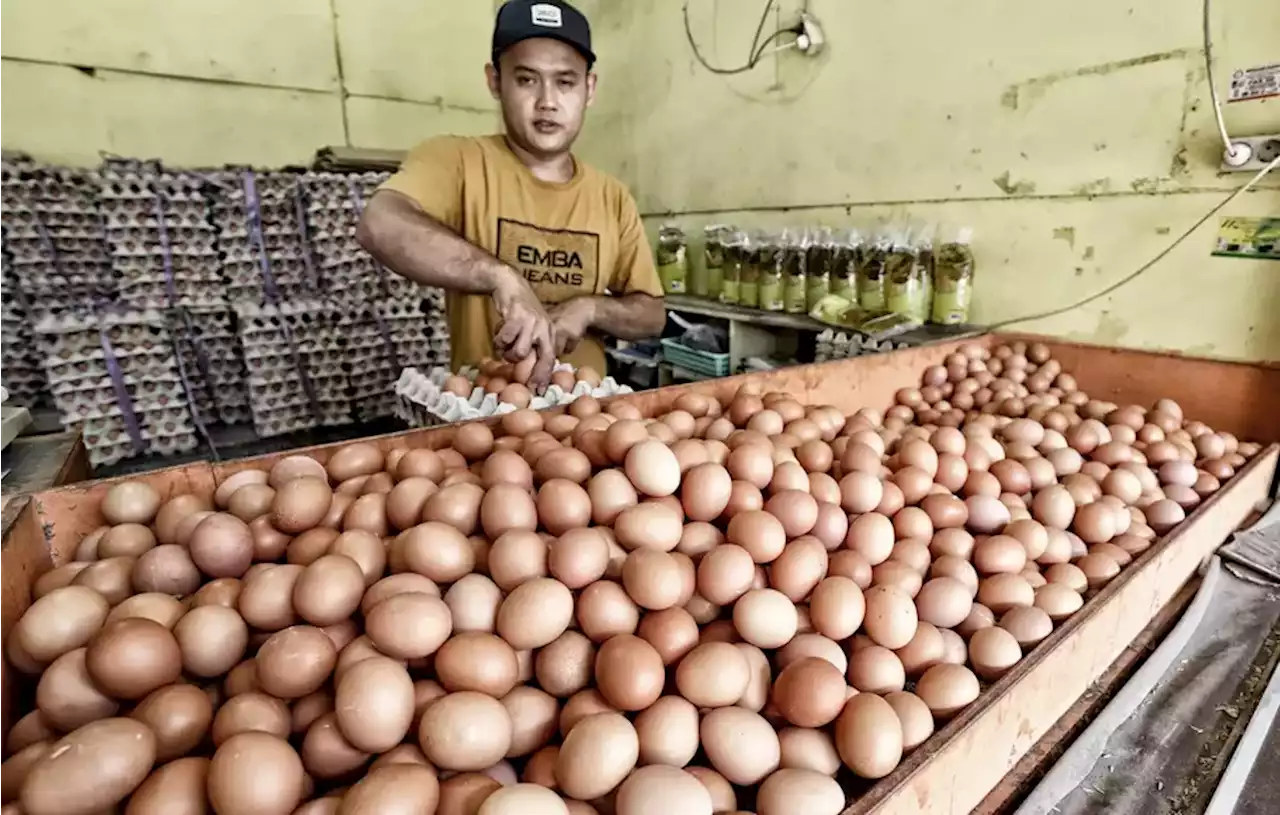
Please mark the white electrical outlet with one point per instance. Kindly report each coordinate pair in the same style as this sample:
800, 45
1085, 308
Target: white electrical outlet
1260, 150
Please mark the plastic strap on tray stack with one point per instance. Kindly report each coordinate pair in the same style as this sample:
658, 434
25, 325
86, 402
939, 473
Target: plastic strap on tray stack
357, 202
392, 355
273, 294
123, 400
197, 345
308, 259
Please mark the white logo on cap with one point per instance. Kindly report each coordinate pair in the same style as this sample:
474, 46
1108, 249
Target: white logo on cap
546, 15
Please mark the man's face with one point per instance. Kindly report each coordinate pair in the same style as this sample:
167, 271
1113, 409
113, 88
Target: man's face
544, 87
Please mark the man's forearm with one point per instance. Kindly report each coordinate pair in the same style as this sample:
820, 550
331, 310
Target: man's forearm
629, 317
413, 244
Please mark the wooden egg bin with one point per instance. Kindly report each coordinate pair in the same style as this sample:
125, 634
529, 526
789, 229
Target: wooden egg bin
966, 758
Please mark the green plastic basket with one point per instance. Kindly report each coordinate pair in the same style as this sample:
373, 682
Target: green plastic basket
703, 363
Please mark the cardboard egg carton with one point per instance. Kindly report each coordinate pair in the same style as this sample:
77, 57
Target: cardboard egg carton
422, 401
841, 345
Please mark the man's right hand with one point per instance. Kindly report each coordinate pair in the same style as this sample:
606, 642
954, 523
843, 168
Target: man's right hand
525, 327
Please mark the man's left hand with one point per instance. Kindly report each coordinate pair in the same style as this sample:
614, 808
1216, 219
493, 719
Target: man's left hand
569, 322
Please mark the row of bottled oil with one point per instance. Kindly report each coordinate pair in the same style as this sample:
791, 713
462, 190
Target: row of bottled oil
895, 269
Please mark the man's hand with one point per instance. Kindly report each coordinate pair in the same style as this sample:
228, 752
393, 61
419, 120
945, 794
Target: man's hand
525, 328
570, 321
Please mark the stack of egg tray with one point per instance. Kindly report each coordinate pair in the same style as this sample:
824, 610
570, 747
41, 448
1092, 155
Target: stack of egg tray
288, 346
383, 338
348, 272
23, 375
209, 350
90, 400
161, 237
241, 200
54, 233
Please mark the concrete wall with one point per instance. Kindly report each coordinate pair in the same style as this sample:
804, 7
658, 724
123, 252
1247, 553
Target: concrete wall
246, 81
1075, 137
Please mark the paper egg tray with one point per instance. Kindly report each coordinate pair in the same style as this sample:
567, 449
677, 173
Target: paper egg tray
422, 401
839, 345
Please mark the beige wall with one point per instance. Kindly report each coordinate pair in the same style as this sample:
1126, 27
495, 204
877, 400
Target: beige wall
246, 81
1075, 137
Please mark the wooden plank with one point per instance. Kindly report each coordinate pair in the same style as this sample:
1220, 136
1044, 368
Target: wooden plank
416, 50
395, 125
960, 764
14, 420
65, 116
285, 43
41, 462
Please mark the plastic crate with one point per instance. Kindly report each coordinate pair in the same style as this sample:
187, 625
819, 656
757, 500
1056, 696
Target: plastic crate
703, 363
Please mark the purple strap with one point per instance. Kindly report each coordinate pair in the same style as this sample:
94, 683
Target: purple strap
203, 362
307, 258
169, 287
123, 400
392, 356
255, 234
273, 293
358, 203
49, 245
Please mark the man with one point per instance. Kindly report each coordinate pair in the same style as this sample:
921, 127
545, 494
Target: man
535, 249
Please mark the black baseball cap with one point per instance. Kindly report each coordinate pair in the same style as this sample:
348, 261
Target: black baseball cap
520, 20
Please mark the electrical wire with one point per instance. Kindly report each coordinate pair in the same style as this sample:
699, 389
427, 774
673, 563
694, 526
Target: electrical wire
753, 54
1213, 88
1124, 281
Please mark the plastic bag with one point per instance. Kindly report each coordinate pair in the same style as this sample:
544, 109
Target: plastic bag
735, 250
870, 276
953, 270
819, 254
672, 268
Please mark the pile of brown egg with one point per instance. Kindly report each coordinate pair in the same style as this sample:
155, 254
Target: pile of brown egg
591, 612
510, 382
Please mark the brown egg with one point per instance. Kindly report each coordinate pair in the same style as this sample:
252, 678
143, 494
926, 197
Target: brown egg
741, 745
714, 674
1054, 507
604, 609
652, 578
872, 536
947, 689
535, 613
329, 590
244, 755
890, 616
765, 618
295, 661
534, 715
993, 651
178, 787
653, 468
167, 569
875, 669
869, 736
1098, 568
222, 545
944, 601
132, 657
760, 533
914, 717
861, 492
91, 769
808, 749
410, 625
1067, 574
66, 695
212, 639
179, 715
1001, 592
251, 712
651, 525
999, 553
465, 731
1028, 625
629, 672
597, 754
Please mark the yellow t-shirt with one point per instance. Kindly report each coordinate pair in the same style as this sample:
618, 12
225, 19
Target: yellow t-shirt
582, 237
